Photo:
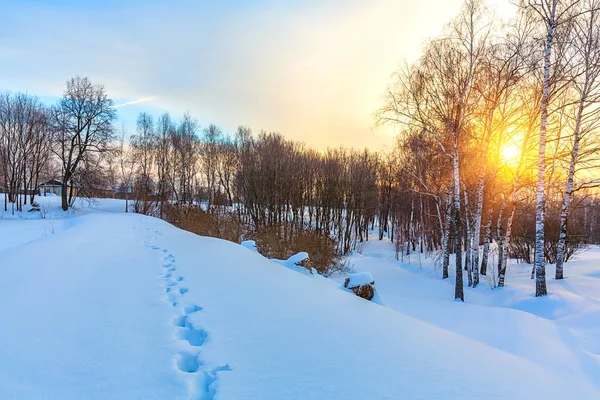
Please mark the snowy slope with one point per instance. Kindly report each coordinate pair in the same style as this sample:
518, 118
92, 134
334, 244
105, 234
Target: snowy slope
560, 332
121, 306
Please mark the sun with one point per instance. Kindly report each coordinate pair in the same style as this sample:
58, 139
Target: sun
510, 154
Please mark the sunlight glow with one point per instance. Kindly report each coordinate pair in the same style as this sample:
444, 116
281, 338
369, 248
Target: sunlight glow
510, 154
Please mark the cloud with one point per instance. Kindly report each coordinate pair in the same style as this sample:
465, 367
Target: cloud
138, 101
312, 70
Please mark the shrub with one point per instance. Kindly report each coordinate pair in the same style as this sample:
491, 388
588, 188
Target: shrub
194, 219
282, 243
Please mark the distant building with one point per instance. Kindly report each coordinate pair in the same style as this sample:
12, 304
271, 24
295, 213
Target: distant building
54, 186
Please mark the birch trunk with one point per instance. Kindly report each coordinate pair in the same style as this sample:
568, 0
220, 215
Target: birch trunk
499, 238
446, 236
458, 288
505, 244
486, 244
468, 241
539, 262
477, 228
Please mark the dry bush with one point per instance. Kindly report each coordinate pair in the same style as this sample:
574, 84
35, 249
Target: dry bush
194, 219
228, 227
322, 250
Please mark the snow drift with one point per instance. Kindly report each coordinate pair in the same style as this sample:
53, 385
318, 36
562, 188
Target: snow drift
116, 306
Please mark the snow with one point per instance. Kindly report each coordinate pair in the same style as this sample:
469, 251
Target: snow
560, 332
298, 258
359, 279
293, 263
121, 306
249, 244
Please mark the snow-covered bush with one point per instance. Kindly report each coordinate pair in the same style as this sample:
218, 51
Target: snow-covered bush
362, 284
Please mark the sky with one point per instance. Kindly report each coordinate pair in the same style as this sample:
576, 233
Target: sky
313, 70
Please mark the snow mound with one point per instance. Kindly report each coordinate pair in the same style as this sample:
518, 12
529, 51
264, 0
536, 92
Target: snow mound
359, 279
295, 263
298, 258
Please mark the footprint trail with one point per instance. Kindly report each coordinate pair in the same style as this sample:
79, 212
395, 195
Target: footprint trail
203, 379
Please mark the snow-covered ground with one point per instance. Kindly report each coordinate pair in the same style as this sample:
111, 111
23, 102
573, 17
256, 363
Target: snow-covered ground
98, 304
560, 332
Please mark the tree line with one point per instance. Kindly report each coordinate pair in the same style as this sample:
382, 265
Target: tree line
68, 141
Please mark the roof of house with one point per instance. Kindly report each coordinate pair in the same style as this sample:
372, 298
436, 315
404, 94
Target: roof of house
52, 182
56, 182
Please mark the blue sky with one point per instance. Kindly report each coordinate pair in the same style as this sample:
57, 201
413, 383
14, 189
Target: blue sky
313, 70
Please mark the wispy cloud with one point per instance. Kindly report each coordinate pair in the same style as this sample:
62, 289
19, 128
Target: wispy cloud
138, 101
313, 70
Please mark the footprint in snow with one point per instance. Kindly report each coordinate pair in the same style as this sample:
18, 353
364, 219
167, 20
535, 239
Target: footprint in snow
195, 337
191, 308
172, 296
210, 380
183, 290
188, 362
180, 321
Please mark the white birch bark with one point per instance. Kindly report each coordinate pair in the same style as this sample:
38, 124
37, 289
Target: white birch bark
539, 262
458, 288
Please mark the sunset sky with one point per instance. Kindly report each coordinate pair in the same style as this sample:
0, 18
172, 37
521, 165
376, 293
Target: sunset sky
313, 70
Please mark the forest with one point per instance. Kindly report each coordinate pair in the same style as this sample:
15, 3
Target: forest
497, 151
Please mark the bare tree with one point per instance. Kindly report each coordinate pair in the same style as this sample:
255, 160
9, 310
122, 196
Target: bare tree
438, 95
24, 144
586, 84
185, 151
553, 16
142, 148
211, 138
127, 164
163, 147
83, 124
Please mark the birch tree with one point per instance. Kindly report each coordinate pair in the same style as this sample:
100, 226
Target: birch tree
504, 65
553, 16
586, 44
437, 95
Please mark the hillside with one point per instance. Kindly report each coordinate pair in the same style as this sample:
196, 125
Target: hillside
104, 305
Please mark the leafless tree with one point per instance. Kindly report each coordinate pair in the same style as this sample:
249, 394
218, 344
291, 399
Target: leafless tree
82, 124
127, 167
585, 78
